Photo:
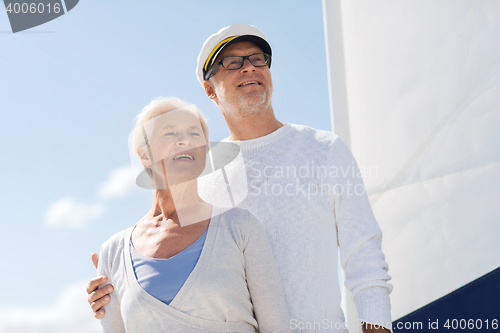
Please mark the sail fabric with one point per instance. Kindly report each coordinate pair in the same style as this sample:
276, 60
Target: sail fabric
473, 307
423, 93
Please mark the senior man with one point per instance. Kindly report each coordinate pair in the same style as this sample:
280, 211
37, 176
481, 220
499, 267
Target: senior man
304, 186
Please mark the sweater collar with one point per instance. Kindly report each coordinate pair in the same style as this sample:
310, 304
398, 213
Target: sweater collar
263, 140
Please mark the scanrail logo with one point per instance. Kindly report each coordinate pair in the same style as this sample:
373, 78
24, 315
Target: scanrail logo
25, 15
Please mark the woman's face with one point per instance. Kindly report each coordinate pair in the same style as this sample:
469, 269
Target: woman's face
177, 146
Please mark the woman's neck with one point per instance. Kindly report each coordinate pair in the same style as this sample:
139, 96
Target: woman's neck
179, 204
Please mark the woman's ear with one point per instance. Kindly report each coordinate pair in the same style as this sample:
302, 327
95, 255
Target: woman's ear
209, 89
144, 156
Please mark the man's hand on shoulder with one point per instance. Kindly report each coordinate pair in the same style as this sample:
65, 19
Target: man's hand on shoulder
98, 297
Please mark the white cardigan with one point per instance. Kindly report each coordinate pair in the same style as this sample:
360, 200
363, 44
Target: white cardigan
235, 277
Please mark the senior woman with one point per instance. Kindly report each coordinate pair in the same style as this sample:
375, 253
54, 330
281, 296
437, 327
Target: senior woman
188, 266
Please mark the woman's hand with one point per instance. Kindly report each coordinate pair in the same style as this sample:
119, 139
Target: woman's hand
98, 297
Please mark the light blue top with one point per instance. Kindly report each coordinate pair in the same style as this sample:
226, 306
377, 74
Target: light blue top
163, 278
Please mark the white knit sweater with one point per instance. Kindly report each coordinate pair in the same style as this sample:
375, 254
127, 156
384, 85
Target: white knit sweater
304, 187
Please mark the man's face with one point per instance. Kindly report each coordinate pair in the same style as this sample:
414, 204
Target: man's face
245, 90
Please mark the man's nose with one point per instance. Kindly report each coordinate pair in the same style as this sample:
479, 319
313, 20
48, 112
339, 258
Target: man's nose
247, 66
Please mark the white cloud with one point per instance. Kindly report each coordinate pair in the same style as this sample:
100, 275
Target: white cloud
72, 214
120, 182
70, 313
69, 213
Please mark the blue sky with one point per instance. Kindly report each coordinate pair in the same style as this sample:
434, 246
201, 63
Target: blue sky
69, 90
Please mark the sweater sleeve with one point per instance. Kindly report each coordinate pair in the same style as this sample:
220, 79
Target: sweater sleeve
360, 242
112, 321
263, 281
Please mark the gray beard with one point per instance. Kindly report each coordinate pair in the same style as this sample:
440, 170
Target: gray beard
250, 107
245, 106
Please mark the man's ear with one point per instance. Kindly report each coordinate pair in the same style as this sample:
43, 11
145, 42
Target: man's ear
144, 156
209, 89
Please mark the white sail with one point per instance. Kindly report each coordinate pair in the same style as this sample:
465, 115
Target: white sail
423, 93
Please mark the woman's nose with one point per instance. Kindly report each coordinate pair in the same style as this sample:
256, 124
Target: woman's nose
184, 140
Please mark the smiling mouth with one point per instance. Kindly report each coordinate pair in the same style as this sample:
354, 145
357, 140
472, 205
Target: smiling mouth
183, 156
249, 83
